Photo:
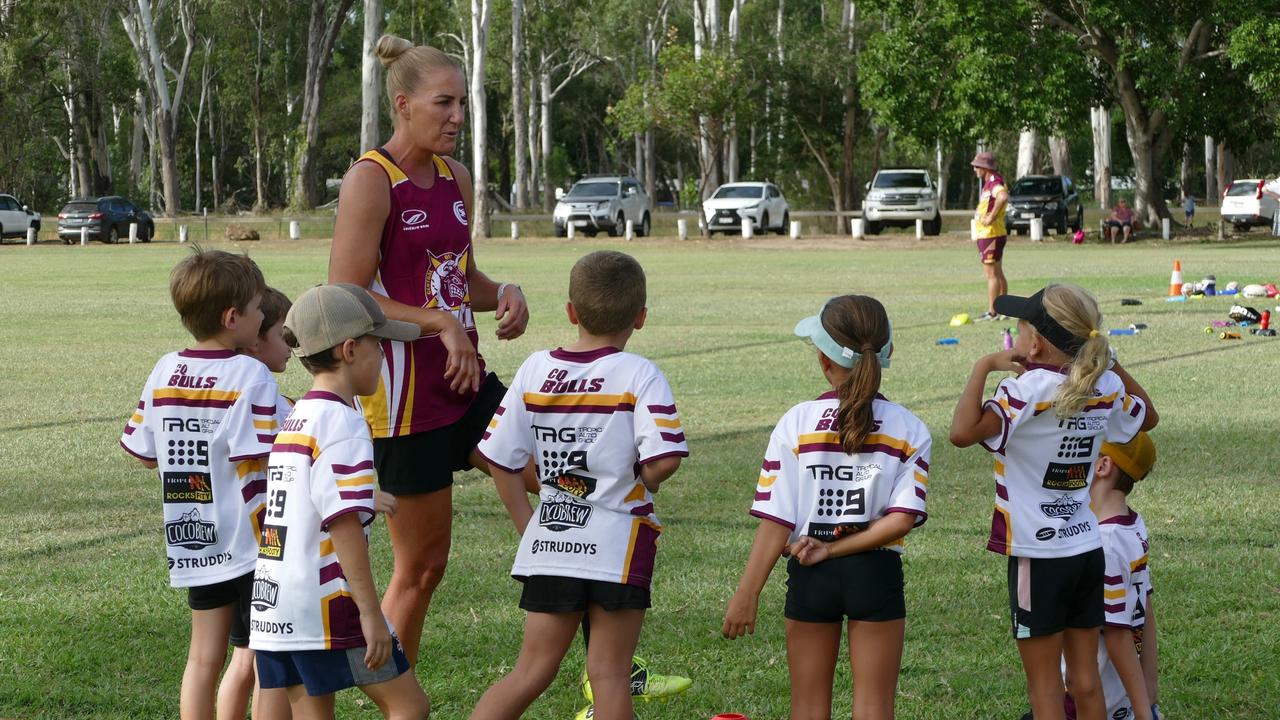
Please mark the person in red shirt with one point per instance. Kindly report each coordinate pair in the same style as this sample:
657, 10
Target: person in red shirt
1121, 218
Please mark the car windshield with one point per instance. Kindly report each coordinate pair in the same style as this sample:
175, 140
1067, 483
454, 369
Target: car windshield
80, 207
739, 192
1037, 186
889, 180
593, 189
1241, 188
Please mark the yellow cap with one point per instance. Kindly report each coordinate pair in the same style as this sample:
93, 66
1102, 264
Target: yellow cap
1135, 457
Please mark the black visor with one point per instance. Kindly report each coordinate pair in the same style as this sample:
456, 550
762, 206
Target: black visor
1032, 310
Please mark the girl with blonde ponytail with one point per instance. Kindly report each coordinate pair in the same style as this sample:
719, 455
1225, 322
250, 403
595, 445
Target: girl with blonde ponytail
844, 480
1044, 463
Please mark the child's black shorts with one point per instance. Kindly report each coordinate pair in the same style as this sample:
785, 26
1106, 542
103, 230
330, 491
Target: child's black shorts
1048, 595
557, 594
425, 462
866, 586
237, 590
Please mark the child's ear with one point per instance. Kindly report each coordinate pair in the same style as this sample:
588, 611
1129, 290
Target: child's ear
347, 350
825, 363
640, 317
229, 317
571, 312
1105, 466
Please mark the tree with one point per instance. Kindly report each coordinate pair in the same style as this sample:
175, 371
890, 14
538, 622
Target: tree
479, 119
370, 77
324, 24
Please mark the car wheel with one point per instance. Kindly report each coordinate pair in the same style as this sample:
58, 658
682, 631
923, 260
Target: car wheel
873, 227
110, 237
148, 232
559, 230
1062, 222
1079, 223
786, 222
934, 226
645, 226
619, 226
36, 226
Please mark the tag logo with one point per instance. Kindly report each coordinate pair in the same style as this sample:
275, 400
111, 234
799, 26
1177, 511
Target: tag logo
562, 512
265, 591
414, 219
190, 532
187, 487
271, 546
1062, 508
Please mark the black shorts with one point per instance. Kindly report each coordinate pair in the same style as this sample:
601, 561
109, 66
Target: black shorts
1048, 595
866, 587
557, 594
425, 462
237, 590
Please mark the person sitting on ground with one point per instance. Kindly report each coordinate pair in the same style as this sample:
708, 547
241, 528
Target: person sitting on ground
1121, 218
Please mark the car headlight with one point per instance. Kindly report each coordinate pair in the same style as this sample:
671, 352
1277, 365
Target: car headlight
875, 195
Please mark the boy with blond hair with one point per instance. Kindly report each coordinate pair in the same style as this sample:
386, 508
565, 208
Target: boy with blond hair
206, 417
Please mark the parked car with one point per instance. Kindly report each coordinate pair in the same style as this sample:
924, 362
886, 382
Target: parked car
15, 218
760, 202
603, 202
107, 218
1244, 205
897, 197
1052, 198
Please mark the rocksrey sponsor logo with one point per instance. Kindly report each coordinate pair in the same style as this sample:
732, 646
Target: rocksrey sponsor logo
187, 487
271, 546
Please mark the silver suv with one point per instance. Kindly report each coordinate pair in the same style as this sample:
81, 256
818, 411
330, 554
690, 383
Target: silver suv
15, 218
603, 202
900, 196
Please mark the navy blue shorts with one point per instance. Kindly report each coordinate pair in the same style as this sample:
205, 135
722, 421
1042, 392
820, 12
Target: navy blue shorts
324, 672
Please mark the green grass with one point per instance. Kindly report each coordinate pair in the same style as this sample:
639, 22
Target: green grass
90, 628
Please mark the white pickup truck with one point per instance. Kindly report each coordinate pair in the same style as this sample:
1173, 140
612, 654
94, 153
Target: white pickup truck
15, 218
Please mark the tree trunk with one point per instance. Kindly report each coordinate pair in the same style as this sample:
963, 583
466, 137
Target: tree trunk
544, 101
1224, 170
139, 141
259, 142
1026, 153
1211, 187
1060, 156
322, 33
944, 169
1184, 177
370, 77
1101, 121
518, 116
533, 144
848, 146
479, 119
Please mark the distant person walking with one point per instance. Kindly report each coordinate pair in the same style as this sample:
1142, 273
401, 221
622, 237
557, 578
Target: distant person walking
990, 231
1189, 209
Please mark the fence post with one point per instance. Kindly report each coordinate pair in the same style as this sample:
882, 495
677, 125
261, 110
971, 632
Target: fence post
182, 233
1037, 229
295, 230
747, 229
31, 236
569, 230
84, 236
133, 233
1165, 227
919, 229
856, 228
795, 229
682, 228
630, 231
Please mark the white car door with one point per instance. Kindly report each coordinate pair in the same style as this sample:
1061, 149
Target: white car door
11, 217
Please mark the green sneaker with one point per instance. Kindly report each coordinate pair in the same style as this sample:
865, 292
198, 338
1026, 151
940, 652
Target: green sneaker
644, 684
589, 712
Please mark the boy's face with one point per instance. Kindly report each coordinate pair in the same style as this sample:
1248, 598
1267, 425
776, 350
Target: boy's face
367, 367
247, 323
271, 349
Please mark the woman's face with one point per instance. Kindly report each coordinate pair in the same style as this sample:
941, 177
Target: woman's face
433, 114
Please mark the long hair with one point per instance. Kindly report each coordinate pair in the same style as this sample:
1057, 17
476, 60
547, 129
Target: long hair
1077, 312
859, 323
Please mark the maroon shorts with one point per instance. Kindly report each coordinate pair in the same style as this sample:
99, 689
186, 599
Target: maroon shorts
991, 249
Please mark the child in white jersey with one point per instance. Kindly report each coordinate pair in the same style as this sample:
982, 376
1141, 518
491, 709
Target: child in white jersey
205, 420
844, 480
603, 429
1044, 428
316, 625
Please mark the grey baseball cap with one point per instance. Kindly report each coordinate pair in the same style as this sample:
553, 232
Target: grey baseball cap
327, 315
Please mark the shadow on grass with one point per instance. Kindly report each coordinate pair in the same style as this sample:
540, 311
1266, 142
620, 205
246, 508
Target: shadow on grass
85, 544
64, 423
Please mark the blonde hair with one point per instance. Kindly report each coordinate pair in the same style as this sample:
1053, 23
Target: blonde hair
1077, 312
859, 323
407, 64
206, 283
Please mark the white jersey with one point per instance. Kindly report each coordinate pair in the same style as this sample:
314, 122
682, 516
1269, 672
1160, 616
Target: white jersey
1127, 583
810, 485
207, 418
590, 420
1044, 464
321, 468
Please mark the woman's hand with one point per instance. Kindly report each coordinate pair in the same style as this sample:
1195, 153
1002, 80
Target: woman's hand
512, 313
462, 369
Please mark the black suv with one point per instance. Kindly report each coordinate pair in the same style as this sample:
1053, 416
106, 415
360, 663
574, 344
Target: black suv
1050, 197
107, 218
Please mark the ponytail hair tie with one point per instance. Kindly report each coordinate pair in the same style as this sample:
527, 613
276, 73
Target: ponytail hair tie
1093, 334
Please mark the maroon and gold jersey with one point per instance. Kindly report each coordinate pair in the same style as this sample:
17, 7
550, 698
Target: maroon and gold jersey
423, 260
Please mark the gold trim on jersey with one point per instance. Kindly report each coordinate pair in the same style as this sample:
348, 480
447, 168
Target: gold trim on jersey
1113, 594
394, 173
324, 615
579, 400
664, 423
767, 480
411, 377
184, 394
326, 547
1008, 530
636, 494
356, 481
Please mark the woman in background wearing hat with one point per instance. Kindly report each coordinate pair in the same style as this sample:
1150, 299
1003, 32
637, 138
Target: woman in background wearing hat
989, 231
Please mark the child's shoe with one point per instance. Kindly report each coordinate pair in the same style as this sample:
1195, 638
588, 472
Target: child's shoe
645, 684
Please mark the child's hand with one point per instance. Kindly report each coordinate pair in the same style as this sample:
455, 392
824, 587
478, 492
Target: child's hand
810, 550
378, 638
740, 616
385, 503
1007, 361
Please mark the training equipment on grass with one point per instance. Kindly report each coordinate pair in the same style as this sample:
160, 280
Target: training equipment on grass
1244, 313
948, 341
1229, 336
1254, 290
960, 319
1175, 279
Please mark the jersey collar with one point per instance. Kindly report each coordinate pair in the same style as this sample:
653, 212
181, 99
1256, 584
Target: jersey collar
208, 354
583, 356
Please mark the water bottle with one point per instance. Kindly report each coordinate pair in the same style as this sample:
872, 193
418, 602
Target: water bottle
948, 341
1007, 339
1123, 331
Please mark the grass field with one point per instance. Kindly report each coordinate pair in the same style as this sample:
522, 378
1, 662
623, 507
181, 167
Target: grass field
90, 629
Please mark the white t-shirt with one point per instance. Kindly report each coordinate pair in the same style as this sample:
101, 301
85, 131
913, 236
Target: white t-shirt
1127, 583
321, 468
590, 420
1044, 464
207, 418
810, 485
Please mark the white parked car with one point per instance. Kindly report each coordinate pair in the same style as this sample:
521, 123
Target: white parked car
15, 218
603, 202
1244, 205
900, 196
760, 202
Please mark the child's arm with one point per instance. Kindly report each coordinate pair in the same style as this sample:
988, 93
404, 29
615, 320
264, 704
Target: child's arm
811, 551
654, 473
1148, 656
514, 495
1124, 655
1132, 387
740, 616
353, 555
149, 464
971, 423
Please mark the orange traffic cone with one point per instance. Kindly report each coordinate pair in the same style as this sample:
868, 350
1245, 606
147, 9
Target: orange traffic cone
1175, 279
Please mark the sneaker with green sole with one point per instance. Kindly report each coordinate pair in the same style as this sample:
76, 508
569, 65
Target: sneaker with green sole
644, 684
589, 712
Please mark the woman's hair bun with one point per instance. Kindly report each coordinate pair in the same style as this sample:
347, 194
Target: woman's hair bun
391, 47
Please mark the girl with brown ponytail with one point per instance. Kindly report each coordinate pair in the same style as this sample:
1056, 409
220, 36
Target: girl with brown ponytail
1044, 427
844, 480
